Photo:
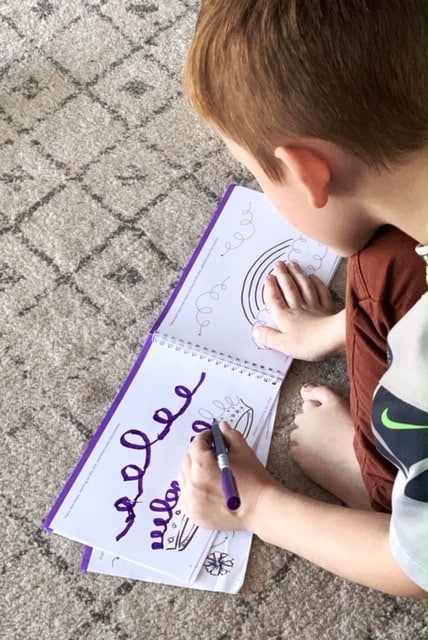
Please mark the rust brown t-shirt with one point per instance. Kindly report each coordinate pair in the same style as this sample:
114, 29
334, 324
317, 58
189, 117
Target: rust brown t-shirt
385, 279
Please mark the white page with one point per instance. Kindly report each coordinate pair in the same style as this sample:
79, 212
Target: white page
123, 498
225, 563
219, 300
185, 393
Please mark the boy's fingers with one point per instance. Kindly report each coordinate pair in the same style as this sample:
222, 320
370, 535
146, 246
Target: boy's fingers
287, 286
305, 283
232, 437
200, 463
268, 337
201, 444
274, 297
323, 292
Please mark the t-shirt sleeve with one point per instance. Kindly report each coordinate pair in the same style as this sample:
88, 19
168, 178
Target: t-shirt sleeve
408, 530
400, 426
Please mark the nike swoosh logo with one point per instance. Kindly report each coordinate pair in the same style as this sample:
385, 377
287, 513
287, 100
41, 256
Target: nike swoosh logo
400, 426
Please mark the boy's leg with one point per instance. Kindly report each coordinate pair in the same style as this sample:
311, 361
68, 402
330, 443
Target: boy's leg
385, 280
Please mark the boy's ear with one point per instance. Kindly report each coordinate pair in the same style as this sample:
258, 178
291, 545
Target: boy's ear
310, 171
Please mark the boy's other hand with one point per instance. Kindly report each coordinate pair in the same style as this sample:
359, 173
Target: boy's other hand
303, 310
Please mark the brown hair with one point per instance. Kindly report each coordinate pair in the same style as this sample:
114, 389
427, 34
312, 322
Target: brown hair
348, 71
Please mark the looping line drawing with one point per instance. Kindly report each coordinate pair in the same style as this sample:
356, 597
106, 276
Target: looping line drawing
317, 258
234, 410
203, 303
246, 221
252, 292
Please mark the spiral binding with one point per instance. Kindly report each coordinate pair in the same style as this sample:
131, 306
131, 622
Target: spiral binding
244, 367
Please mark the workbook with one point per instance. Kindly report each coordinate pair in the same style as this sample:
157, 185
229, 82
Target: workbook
224, 564
199, 363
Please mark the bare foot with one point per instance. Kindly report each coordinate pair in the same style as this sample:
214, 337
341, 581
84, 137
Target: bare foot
323, 445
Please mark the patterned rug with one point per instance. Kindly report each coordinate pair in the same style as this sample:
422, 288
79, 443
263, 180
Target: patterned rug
107, 182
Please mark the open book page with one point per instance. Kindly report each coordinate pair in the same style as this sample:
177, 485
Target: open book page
221, 294
199, 363
124, 495
224, 564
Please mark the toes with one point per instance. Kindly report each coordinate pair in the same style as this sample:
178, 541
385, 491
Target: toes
307, 388
319, 394
310, 404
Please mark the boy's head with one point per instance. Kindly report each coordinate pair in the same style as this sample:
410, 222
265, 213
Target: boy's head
352, 72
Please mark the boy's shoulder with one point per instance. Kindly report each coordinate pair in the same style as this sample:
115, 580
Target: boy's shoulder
385, 266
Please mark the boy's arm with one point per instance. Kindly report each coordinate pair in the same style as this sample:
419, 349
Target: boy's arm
308, 328
351, 543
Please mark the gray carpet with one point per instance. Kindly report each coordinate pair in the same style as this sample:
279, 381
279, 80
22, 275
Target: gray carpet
107, 182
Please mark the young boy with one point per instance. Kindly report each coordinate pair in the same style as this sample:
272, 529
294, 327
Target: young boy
324, 102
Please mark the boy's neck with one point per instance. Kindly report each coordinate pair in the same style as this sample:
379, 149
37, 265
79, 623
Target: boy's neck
397, 196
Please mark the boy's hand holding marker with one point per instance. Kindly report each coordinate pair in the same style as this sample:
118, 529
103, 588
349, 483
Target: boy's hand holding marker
201, 484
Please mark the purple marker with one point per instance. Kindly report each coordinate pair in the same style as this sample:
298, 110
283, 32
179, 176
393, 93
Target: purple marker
230, 489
